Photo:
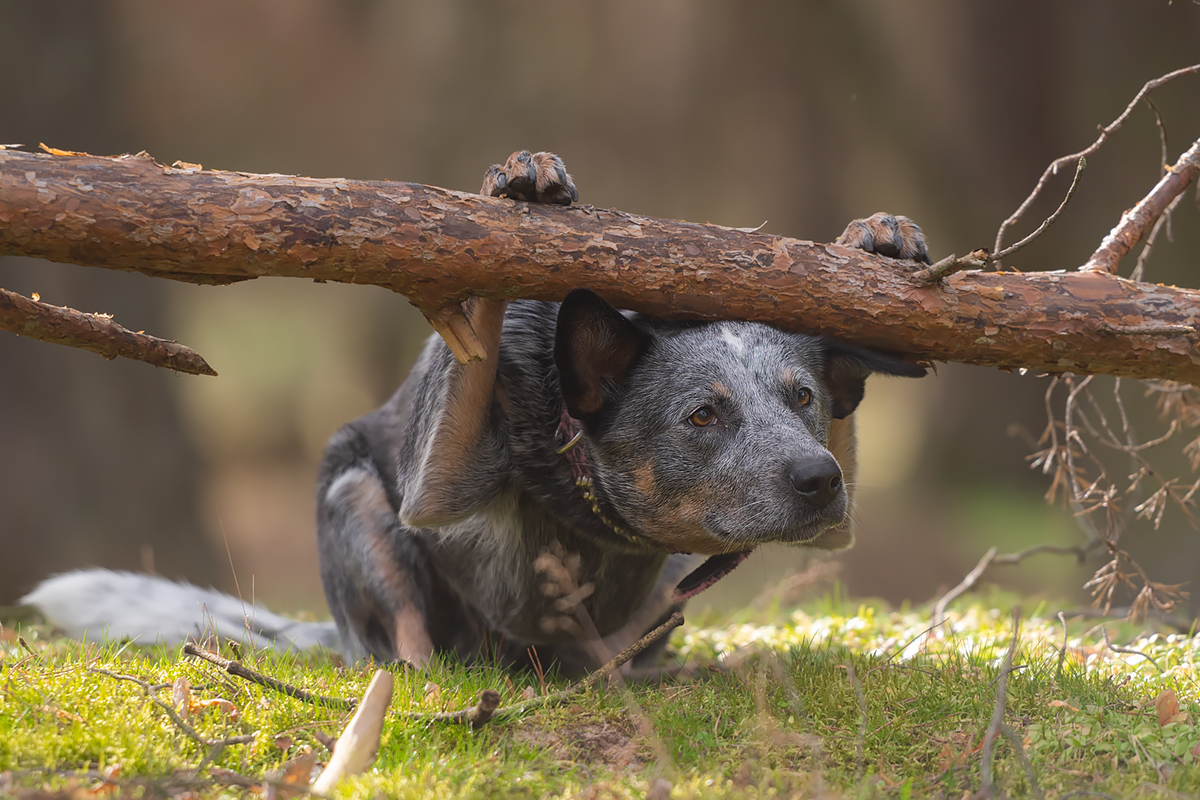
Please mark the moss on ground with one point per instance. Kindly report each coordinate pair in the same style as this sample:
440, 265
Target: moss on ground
784, 718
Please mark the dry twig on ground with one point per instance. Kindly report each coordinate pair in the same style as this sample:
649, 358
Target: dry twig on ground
214, 746
242, 671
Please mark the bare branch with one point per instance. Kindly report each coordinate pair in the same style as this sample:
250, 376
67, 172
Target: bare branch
95, 332
1137, 221
972, 577
1063, 161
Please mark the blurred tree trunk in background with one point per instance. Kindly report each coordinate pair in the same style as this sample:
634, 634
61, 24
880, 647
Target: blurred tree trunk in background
100, 470
802, 114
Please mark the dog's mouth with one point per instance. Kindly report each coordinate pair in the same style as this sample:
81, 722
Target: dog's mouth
712, 570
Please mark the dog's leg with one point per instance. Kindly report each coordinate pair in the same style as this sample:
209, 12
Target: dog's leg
460, 462
374, 573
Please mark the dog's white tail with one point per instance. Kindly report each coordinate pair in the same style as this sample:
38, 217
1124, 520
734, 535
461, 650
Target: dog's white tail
99, 604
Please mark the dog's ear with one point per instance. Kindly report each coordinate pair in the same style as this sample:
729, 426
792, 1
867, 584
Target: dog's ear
595, 349
847, 367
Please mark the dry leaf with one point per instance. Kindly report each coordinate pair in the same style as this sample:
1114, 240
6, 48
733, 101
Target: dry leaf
181, 696
433, 693
1063, 704
222, 705
296, 772
1167, 707
529, 693
283, 742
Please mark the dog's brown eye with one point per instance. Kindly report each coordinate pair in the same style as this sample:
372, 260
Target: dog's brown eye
702, 417
803, 397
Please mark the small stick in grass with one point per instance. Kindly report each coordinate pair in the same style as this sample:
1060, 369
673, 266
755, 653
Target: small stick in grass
215, 746
862, 722
998, 728
1129, 651
236, 668
485, 710
465, 715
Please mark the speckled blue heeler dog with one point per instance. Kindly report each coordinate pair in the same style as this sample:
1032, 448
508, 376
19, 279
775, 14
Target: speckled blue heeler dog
649, 457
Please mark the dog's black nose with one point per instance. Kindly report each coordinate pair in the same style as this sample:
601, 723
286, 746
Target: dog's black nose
818, 480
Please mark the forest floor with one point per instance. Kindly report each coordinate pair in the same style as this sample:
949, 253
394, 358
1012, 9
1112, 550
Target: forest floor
836, 700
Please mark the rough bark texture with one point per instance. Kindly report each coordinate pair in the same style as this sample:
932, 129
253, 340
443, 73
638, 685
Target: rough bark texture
437, 246
95, 332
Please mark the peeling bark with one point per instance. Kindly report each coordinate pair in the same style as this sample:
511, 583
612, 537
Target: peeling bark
438, 247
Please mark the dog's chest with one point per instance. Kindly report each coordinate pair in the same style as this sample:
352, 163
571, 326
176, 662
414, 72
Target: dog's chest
522, 570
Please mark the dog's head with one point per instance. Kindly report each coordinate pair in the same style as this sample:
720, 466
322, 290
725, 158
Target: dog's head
711, 438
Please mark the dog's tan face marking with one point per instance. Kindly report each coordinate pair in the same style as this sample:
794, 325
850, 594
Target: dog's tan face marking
643, 478
679, 524
721, 390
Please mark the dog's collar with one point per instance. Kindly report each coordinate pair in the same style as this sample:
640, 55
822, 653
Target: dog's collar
569, 434
714, 567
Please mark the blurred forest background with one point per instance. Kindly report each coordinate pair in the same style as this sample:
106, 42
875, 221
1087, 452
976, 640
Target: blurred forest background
802, 114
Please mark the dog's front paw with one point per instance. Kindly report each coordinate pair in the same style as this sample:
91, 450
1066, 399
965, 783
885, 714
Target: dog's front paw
887, 235
533, 177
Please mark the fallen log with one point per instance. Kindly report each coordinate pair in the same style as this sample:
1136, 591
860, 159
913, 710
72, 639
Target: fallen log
438, 247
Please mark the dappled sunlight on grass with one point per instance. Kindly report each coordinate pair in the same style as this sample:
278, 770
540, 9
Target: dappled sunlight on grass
844, 699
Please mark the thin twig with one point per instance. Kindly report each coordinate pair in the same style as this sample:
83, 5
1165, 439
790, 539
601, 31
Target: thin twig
939, 608
901, 649
1014, 742
486, 708
464, 715
979, 259
976, 259
236, 668
95, 332
862, 721
1079, 551
215, 746
1164, 221
1086, 152
1129, 651
1138, 220
1062, 652
988, 786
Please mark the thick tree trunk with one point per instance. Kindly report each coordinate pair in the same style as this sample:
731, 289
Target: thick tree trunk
438, 247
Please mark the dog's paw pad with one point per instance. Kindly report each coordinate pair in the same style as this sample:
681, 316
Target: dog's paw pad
532, 177
887, 235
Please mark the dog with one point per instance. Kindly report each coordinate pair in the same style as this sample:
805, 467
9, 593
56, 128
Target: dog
558, 498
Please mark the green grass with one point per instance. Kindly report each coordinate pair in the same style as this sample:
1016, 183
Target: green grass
783, 719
